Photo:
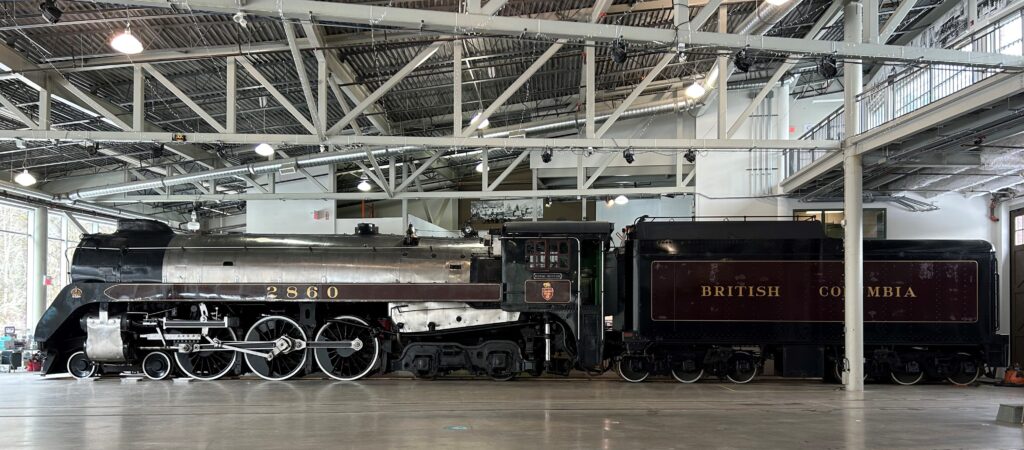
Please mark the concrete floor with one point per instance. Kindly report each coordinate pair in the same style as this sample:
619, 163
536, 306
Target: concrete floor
481, 414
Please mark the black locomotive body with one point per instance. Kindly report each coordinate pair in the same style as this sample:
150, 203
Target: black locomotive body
682, 298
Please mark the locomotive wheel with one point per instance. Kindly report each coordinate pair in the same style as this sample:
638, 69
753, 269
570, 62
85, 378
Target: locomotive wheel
909, 373
80, 367
283, 365
966, 370
742, 368
157, 366
346, 364
209, 365
687, 372
631, 369
837, 371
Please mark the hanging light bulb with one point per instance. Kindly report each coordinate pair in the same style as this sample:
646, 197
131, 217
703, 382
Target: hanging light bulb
610, 202
264, 149
480, 167
364, 185
486, 123
695, 90
25, 179
126, 42
621, 200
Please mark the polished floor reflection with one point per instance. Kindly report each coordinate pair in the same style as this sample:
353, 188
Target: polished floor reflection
481, 414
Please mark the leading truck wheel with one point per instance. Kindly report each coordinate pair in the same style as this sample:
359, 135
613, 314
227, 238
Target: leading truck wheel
80, 367
157, 366
632, 369
347, 364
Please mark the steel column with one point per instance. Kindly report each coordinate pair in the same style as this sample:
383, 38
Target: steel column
456, 87
138, 99
723, 77
853, 223
231, 96
37, 276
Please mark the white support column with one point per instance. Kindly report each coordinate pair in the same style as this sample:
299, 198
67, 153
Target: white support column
782, 102
138, 99
231, 96
36, 288
534, 183
590, 74
321, 93
870, 17
853, 236
45, 105
723, 80
484, 180
456, 87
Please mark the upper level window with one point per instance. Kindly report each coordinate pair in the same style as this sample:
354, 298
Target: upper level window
547, 255
832, 219
1018, 230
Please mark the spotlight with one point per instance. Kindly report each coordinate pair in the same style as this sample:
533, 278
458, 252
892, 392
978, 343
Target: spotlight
619, 53
690, 156
25, 179
264, 149
610, 202
93, 149
480, 167
126, 42
695, 90
548, 202
158, 151
364, 185
628, 155
827, 66
51, 13
546, 155
621, 200
743, 61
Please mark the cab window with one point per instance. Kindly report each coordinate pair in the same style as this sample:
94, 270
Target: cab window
547, 255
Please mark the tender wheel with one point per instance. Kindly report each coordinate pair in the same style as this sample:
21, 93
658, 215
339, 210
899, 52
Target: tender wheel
965, 370
907, 374
632, 369
687, 371
157, 366
284, 332
80, 367
211, 364
838, 367
742, 368
347, 364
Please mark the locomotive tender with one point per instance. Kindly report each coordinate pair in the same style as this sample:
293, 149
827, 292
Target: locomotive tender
685, 298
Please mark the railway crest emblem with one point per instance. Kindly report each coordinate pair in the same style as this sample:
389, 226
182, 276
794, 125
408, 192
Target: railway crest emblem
547, 292
76, 292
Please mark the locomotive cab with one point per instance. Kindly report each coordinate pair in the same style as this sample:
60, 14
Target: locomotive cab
557, 268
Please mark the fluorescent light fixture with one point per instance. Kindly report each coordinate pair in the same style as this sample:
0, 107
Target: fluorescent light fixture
264, 149
695, 90
126, 43
25, 179
621, 200
364, 186
486, 123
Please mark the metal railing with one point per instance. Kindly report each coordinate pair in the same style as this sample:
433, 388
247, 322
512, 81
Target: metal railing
902, 92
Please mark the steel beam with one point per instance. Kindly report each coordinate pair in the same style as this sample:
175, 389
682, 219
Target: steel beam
398, 196
600, 169
21, 116
511, 90
181, 95
300, 70
281, 99
408, 142
895, 19
416, 173
703, 15
457, 86
409, 67
515, 26
138, 98
508, 170
632, 95
45, 107
231, 96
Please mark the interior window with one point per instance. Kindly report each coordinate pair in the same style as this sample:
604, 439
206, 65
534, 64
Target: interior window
548, 255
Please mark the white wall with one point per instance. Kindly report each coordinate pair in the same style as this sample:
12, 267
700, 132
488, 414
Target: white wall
623, 215
292, 216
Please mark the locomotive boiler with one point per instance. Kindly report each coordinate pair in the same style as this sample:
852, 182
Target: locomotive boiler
688, 299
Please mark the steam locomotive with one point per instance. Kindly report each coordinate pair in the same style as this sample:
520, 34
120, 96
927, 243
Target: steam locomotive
689, 299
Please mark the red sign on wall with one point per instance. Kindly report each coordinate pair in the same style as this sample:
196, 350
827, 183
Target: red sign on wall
812, 291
